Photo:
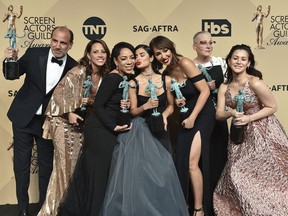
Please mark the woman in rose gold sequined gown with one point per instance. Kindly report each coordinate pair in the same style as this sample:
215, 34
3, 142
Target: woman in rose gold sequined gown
62, 113
255, 178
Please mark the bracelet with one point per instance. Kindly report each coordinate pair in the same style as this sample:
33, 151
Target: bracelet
249, 118
227, 110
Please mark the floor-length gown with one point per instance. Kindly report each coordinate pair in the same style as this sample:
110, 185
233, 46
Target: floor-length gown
204, 123
86, 191
67, 139
255, 178
143, 179
219, 138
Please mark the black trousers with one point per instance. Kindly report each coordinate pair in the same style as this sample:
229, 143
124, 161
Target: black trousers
24, 139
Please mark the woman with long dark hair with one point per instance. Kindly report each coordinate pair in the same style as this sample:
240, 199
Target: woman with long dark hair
63, 118
143, 179
196, 125
86, 191
254, 180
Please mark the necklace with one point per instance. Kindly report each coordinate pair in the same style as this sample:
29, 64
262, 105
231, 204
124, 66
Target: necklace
204, 64
210, 67
146, 76
97, 86
147, 73
95, 80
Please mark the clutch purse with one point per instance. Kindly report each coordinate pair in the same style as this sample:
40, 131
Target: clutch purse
81, 113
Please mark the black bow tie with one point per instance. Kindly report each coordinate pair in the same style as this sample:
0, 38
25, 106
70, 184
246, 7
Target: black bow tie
54, 60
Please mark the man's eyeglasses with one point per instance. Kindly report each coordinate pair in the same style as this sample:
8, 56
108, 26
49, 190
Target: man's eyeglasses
207, 43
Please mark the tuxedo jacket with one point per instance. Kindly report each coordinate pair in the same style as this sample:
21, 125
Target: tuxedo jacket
33, 91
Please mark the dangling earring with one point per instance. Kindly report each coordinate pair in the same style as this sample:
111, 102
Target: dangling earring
117, 68
89, 61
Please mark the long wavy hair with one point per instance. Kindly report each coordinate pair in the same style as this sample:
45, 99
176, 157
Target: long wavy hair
84, 61
161, 42
251, 70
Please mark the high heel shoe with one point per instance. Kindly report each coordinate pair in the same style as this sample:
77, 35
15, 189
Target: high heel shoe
198, 210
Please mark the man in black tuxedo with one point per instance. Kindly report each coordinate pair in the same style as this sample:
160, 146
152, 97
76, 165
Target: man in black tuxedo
44, 67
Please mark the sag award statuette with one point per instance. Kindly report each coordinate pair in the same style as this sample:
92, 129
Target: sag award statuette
237, 134
124, 118
175, 86
155, 122
87, 85
207, 76
209, 79
82, 111
11, 65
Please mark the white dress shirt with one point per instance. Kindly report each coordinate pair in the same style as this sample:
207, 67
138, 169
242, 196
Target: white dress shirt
53, 75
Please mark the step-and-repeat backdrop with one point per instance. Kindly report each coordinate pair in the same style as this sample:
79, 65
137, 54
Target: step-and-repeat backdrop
137, 21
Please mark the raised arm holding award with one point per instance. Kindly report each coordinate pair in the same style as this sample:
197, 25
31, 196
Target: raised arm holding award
11, 70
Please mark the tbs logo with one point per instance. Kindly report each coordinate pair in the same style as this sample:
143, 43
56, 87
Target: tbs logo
94, 28
217, 27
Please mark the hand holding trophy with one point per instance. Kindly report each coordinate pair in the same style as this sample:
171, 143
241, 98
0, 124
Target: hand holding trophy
124, 117
175, 86
11, 54
87, 85
82, 110
237, 134
151, 87
156, 120
207, 76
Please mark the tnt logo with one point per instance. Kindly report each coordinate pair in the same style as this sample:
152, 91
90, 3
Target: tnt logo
94, 28
217, 27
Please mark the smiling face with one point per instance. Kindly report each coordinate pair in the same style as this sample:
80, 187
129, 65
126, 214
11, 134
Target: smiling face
97, 55
239, 61
125, 61
143, 60
164, 56
203, 45
60, 42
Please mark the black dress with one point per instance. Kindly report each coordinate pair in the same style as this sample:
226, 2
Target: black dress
86, 192
204, 123
219, 138
162, 136
143, 179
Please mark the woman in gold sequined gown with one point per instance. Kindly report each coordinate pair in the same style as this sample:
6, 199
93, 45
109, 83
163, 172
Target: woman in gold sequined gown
255, 178
64, 116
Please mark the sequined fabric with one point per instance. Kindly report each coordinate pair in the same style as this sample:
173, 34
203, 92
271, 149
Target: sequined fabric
67, 139
255, 178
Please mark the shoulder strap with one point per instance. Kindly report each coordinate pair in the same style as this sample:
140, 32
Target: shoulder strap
196, 78
164, 81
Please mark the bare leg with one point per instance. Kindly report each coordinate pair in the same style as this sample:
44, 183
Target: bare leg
261, 36
196, 174
257, 36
